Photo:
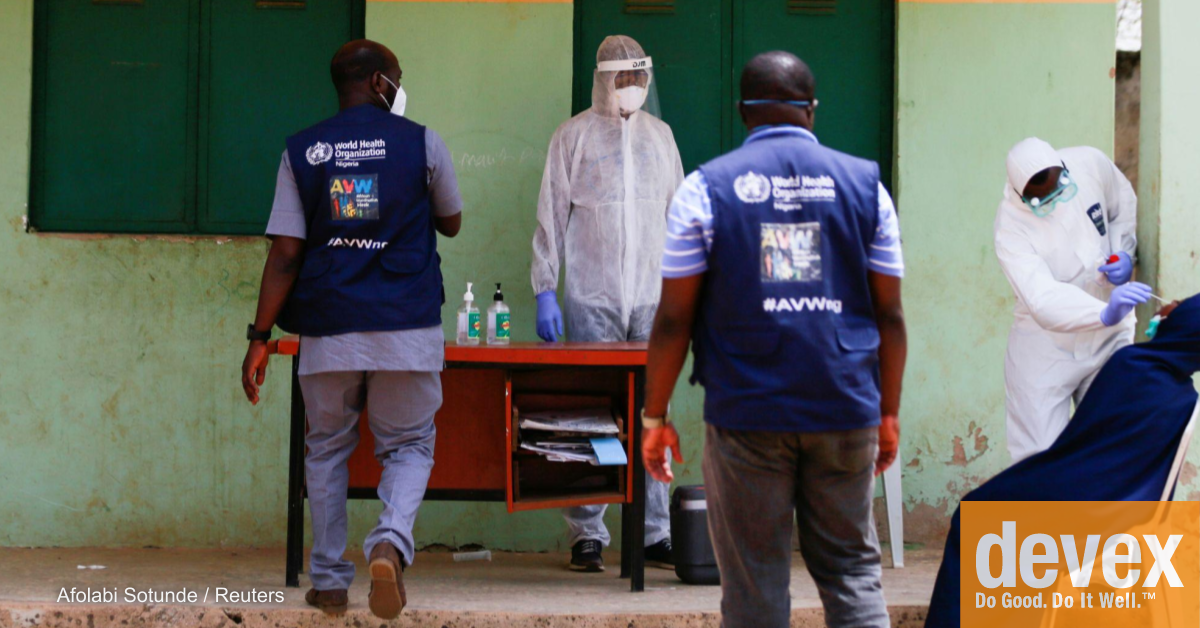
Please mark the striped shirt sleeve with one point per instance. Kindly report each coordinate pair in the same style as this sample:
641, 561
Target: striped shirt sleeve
884, 256
689, 229
690, 233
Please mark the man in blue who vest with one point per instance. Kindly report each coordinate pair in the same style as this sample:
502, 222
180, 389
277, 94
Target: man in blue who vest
783, 267
354, 269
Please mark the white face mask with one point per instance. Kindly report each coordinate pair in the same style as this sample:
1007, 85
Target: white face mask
631, 98
397, 106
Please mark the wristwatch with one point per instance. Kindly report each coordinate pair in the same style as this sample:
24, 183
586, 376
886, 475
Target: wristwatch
257, 335
651, 423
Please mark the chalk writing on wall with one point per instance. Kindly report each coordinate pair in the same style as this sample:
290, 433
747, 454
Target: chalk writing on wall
499, 159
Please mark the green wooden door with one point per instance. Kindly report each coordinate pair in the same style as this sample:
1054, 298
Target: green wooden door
688, 41
700, 46
169, 116
114, 144
268, 77
848, 45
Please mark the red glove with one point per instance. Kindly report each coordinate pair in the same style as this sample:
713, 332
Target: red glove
654, 452
889, 442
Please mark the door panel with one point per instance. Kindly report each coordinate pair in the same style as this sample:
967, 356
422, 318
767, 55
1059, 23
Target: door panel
268, 77
113, 143
848, 44
700, 46
686, 39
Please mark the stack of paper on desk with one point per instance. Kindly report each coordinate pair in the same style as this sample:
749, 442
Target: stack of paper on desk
573, 436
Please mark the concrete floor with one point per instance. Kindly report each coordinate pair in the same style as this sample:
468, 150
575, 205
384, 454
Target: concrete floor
514, 590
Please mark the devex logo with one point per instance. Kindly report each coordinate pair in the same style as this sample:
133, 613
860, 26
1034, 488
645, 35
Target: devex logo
1037, 549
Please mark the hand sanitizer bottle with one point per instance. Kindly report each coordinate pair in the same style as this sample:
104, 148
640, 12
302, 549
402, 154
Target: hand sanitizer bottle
499, 326
468, 319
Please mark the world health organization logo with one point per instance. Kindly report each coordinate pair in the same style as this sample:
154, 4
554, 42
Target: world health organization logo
752, 188
319, 153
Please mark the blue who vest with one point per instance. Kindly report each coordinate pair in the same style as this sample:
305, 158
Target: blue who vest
785, 339
371, 263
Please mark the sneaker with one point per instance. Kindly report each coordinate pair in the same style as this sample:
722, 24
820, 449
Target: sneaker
659, 555
585, 556
387, 597
332, 602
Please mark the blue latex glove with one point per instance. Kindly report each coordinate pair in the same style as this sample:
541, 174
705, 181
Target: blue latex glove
1119, 271
549, 317
1122, 302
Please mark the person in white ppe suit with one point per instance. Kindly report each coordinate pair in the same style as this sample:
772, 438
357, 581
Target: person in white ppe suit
1065, 235
610, 174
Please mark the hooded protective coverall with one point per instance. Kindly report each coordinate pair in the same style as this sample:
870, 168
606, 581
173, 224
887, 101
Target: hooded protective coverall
1057, 342
603, 208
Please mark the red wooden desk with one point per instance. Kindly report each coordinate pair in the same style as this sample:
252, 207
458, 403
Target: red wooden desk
476, 455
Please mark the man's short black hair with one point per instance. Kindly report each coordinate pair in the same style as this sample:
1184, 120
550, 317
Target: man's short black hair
358, 61
777, 74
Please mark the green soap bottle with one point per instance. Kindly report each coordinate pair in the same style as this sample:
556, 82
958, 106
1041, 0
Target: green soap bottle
499, 325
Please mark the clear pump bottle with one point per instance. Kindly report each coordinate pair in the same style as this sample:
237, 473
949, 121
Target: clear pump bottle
468, 319
499, 325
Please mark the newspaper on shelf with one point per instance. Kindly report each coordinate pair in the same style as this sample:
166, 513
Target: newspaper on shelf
585, 421
582, 435
564, 455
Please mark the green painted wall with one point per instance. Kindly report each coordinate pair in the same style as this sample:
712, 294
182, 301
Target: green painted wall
119, 409
1169, 230
1170, 147
495, 80
122, 417
973, 79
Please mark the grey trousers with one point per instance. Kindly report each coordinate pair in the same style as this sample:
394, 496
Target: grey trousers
597, 324
755, 482
587, 522
400, 407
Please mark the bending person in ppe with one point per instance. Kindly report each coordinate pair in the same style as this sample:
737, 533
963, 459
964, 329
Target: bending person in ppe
610, 174
1065, 237
1121, 445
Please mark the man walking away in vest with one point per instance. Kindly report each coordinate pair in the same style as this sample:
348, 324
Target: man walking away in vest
783, 266
354, 269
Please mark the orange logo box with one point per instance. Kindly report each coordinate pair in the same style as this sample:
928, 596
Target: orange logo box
1080, 564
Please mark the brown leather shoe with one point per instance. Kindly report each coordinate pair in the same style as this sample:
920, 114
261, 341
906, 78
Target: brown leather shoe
333, 602
387, 596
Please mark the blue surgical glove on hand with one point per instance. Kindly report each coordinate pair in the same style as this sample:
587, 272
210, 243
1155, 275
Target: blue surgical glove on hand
1119, 271
1123, 300
549, 317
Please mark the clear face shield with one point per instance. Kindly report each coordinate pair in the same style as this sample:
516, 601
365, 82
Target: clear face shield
628, 85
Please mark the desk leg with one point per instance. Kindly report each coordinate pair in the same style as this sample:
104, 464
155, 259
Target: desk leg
295, 494
627, 539
637, 523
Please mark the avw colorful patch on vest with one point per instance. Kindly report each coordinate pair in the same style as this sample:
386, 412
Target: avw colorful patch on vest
791, 252
354, 197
